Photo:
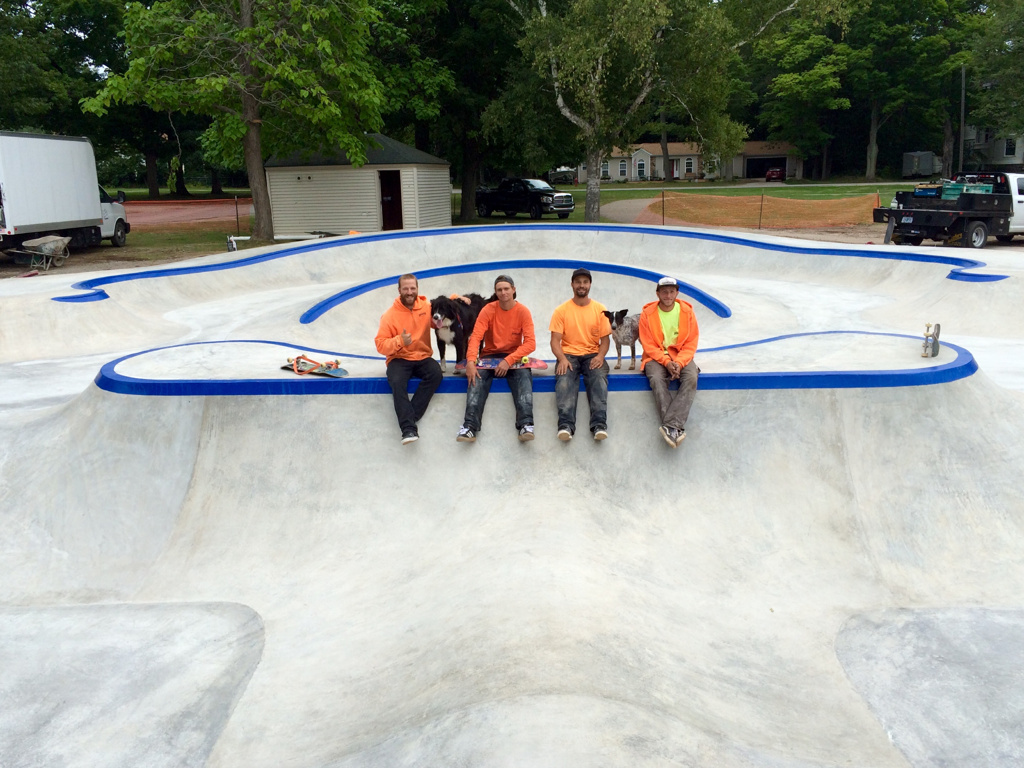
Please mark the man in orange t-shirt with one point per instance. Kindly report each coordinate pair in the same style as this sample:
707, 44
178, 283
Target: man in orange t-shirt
505, 328
580, 334
404, 339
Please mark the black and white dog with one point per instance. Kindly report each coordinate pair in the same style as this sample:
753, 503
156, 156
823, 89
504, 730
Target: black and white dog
625, 331
453, 322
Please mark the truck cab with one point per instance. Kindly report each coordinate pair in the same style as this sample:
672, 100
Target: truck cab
115, 226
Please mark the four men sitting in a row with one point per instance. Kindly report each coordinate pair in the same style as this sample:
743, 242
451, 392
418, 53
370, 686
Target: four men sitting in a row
580, 334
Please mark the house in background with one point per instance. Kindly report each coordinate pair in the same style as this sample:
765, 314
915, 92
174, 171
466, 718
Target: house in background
641, 162
399, 187
984, 150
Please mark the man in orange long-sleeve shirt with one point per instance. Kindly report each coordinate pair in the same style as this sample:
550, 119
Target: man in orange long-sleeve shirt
505, 328
404, 339
668, 333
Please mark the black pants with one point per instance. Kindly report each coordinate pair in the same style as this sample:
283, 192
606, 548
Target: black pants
399, 372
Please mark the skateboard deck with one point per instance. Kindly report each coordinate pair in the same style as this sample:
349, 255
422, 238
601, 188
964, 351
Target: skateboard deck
931, 340
490, 363
303, 365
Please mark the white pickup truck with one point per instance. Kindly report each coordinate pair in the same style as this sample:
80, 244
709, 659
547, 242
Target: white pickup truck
964, 211
48, 186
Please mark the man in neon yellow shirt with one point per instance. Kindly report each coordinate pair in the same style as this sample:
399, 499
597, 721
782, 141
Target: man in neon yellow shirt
580, 334
668, 333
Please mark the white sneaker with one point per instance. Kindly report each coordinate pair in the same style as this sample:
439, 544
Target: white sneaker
601, 434
668, 434
466, 436
564, 435
526, 433
409, 437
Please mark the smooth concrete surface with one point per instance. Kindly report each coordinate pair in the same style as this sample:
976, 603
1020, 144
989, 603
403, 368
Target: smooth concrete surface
819, 576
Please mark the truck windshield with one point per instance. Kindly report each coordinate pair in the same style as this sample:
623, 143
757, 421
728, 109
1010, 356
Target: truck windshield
538, 184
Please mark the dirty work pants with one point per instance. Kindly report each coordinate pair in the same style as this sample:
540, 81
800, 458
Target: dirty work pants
673, 407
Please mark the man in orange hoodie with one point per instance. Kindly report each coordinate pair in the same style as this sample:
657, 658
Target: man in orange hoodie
668, 333
505, 328
404, 339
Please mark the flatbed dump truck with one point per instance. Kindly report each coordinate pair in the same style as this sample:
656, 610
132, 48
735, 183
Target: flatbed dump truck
963, 211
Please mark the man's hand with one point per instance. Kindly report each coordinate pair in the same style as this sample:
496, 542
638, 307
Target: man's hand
471, 374
406, 338
596, 362
674, 369
563, 367
502, 369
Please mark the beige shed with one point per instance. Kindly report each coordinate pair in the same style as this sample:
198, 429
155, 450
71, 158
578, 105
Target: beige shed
399, 187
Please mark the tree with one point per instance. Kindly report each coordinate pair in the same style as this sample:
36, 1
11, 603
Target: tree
998, 67
804, 96
274, 76
605, 58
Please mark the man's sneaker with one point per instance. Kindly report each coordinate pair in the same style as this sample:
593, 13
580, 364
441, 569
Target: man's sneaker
526, 433
601, 434
669, 434
564, 435
680, 436
466, 436
409, 437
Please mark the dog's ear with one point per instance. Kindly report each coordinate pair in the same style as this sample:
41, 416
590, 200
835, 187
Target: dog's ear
608, 314
493, 297
621, 315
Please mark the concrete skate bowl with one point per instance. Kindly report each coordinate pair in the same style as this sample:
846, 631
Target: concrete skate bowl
209, 561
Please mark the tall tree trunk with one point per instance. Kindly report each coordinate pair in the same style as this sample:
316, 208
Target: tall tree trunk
592, 209
152, 177
470, 179
824, 161
873, 142
947, 148
252, 141
422, 139
666, 169
215, 186
179, 180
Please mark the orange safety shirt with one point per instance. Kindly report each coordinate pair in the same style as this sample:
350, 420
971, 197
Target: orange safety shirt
400, 318
582, 328
504, 333
652, 336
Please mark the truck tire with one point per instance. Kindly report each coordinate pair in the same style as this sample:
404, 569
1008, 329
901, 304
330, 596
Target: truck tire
975, 234
1004, 238
483, 210
535, 211
563, 215
510, 214
913, 240
120, 236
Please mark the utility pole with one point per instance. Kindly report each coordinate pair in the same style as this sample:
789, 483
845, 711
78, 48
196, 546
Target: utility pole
963, 96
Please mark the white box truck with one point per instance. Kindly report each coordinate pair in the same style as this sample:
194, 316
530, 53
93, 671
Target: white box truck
48, 186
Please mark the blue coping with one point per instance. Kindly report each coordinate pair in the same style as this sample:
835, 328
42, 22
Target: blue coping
110, 380
95, 285
693, 292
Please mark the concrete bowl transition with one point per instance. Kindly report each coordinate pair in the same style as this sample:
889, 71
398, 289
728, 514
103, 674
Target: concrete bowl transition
208, 561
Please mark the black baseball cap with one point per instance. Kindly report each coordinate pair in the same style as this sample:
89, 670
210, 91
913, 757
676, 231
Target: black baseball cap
668, 281
582, 271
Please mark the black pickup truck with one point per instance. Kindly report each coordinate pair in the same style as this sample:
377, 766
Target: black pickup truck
531, 196
963, 211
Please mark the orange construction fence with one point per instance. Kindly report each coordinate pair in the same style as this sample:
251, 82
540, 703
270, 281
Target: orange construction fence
762, 211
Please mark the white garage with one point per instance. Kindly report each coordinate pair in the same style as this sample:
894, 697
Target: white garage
399, 187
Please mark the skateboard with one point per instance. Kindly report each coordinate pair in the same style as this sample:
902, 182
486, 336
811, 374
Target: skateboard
490, 363
930, 346
303, 365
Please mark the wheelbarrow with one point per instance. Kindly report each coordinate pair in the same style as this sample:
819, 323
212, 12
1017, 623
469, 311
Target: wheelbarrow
41, 252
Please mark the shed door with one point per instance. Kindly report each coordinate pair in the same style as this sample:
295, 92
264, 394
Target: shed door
391, 199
